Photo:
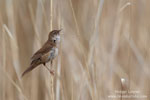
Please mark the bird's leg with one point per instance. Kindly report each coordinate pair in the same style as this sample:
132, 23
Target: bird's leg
52, 63
51, 71
46, 66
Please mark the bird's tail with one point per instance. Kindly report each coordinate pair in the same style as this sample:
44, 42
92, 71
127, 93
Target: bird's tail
30, 68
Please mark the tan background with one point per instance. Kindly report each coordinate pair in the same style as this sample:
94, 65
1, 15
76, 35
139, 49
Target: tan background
103, 41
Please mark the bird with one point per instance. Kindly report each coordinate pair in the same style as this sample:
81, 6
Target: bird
46, 53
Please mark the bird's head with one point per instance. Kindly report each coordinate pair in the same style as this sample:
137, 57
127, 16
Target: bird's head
54, 36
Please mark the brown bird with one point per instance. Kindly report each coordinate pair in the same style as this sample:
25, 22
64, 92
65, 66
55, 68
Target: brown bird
47, 53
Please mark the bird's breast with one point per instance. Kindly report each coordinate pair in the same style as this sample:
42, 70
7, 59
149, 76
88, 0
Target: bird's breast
53, 53
50, 55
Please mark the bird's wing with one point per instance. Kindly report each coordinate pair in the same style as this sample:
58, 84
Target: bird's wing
45, 49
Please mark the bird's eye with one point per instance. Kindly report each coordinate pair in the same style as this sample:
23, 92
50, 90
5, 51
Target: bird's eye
54, 41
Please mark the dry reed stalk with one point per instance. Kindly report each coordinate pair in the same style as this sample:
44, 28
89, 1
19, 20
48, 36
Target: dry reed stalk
45, 16
72, 89
92, 43
51, 15
15, 85
138, 55
5, 74
3, 63
124, 6
59, 61
80, 45
10, 29
14, 48
74, 17
33, 23
51, 27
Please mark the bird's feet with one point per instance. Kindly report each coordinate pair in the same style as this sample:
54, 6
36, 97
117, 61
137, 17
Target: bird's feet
52, 72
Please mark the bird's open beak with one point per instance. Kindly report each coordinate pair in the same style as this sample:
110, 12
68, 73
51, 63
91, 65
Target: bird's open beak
60, 30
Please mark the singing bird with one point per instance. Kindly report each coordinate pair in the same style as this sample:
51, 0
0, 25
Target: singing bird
47, 53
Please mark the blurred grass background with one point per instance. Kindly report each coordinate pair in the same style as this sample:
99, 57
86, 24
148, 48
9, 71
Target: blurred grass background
104, 41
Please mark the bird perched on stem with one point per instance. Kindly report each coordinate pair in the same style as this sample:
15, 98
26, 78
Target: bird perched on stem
47, 53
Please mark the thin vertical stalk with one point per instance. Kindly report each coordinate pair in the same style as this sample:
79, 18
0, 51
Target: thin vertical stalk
58, 64
51, 27
4, 63
51, 15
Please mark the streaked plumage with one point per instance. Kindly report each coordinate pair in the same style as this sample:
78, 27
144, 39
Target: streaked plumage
47, 53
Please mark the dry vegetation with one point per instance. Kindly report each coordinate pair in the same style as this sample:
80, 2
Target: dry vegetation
103, 42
